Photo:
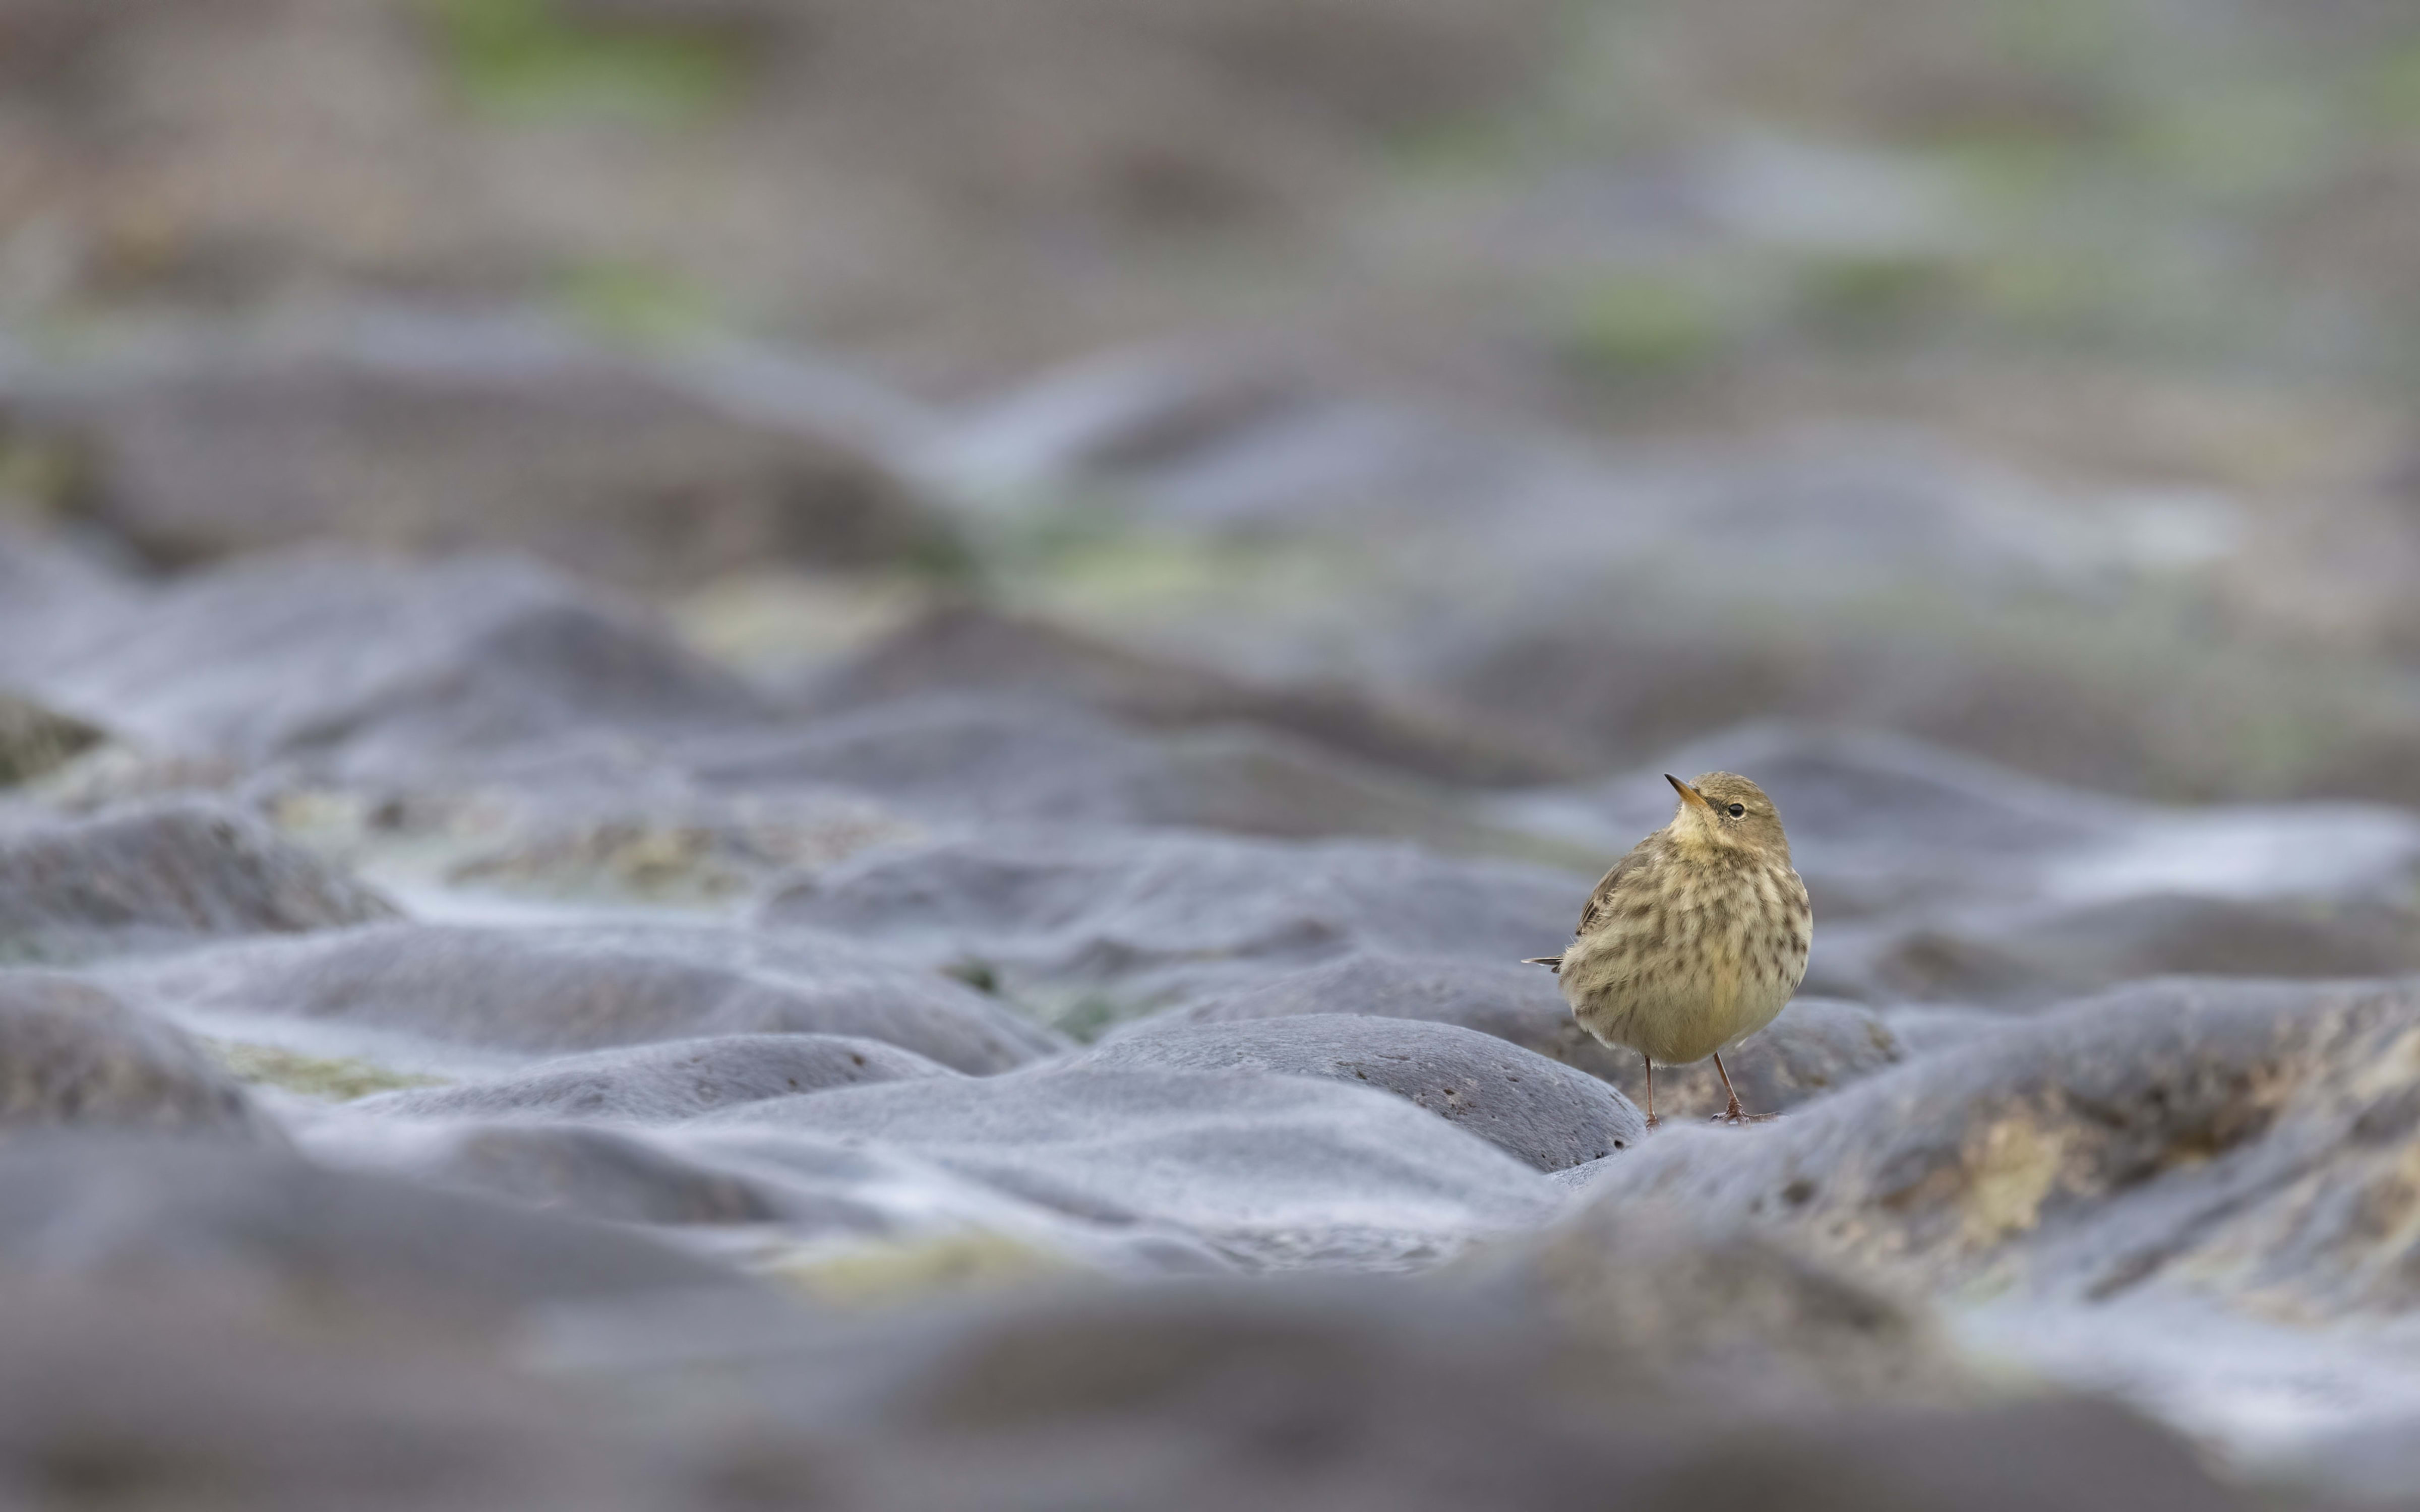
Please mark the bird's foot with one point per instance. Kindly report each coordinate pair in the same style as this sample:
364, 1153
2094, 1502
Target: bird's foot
1652, 1120
1735, 1114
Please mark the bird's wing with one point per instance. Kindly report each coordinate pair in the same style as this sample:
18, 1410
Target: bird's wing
1630, 868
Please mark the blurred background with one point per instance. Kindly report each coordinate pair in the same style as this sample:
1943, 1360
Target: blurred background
1585, 374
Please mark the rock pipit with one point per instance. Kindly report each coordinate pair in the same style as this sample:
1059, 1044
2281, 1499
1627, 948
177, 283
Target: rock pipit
1696, 939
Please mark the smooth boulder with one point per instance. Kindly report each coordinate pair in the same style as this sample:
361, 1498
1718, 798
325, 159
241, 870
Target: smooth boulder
137, 1210
371, 668
2031, 958
1300, 1394
1817, 1047
1504, 998
663, 1083
1548, 1115
557, 989
164, 874
1270, 1171
2236, 1139
1121, 920
421, 436
972, 648
994, 757
74, 1057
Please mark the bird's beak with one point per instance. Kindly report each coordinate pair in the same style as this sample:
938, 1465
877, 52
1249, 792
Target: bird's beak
1688, 792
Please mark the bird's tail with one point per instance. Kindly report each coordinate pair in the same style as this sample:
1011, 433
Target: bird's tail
1552, 962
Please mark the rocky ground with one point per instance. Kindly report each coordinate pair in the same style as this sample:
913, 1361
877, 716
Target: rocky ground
938, 1034
794, 752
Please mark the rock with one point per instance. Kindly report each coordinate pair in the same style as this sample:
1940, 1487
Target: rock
966, 648
1548, 1115
344, 1243
997, 758
374, 668
2033, 957
35, 740
1504, 998
1292, 1396
660, 1082
813, 1209
602, 1174
1270, 1171
2239, 1140
601, 846
1101, 922
1738, 1316
1815, 1047
74, 1057
608, 467
167, 874
185, 1393
556, 988
1882, 825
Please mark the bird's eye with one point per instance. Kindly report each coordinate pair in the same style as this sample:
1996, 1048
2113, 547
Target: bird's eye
1738, 808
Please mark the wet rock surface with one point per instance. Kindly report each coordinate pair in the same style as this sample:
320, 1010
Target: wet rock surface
370, 665
569, 988
599, 465
1814, 1048
1507, 1000
966, 648
980, 756
2248, 1139
134, 1210
73, 1056
1548, 1115
1143, 917
160, 875
1249, 1161
680, 1080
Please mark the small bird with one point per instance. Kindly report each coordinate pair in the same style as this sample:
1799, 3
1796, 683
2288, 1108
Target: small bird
1697, 938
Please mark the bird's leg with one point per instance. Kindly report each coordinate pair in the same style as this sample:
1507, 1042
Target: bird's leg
1735, 1114
1650, 1087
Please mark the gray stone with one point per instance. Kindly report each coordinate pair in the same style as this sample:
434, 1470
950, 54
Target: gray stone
565, 988
1504, 998
1548, 1115
658, 1083
1815, 1047
1270, 1170
2241, 1139
1420, 1398
187, 1392
74, 1057
608, 1174
2033, 957
572, 454
968, 648
379, 668
986, 756
138, 1211
801, 1200
164, 874
1134, 918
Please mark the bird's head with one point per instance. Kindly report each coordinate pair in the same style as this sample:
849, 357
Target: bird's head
1727, 810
